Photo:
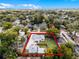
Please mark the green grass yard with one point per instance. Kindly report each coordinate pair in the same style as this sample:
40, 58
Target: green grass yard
51, 43
48, 43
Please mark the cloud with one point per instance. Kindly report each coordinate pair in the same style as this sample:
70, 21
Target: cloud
3, 5
31, 6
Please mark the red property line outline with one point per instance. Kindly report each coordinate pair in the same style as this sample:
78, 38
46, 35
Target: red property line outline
43, 54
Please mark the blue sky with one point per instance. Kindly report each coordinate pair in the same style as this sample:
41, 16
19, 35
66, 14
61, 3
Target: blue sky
36, 4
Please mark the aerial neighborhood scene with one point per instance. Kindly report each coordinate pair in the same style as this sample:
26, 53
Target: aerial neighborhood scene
39, 29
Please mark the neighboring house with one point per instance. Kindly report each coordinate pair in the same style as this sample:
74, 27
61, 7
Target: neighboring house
17, 22
35, 27
77, 34
1, 29
29, 26
66, 37
43, 26
76, 50
27, 19
20, 25
77, 38
21, 33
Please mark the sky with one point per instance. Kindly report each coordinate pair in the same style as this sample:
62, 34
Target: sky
38, 4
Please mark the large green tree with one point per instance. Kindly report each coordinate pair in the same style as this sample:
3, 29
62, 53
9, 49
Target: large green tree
54, 30
7, 48
67, 51
7, 25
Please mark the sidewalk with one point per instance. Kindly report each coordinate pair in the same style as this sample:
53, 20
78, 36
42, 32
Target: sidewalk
28, 58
